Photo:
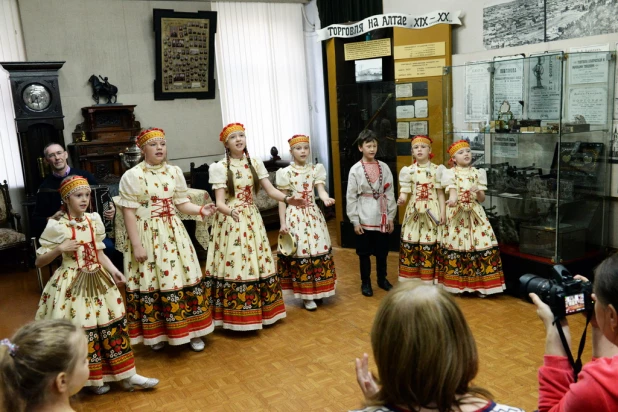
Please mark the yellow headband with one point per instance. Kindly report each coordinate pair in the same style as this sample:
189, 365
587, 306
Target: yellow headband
148, 135
457, 146
71, 185
229, 129
298, 138
421, 139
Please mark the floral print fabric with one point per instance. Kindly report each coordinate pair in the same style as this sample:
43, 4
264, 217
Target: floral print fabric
420, 234
245, 290
469, 260
99, 311
310, 273
167, 298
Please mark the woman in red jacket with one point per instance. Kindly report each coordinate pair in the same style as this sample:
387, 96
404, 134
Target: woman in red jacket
595, 389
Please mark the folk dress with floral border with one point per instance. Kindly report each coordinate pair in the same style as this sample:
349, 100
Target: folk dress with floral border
469, 259
420, 234
245, 286
310, 273
82, 291
167, 297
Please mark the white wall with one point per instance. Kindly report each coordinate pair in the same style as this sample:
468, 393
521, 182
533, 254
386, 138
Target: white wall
11, 49
116, 39
468, 46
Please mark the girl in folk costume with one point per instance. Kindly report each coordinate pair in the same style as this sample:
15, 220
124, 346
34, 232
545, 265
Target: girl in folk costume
310, 271
83, 289
240, 270
469, 259
421, 229
166, 299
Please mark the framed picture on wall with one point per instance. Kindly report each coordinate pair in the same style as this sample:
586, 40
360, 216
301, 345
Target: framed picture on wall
185, 51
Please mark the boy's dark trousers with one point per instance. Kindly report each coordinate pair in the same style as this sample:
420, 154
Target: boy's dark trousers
372, 242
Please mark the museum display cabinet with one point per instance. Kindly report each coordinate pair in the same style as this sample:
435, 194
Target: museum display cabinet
361, 106
98, 141
540, 126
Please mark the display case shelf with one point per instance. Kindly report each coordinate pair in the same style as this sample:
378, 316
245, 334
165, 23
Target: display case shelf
547, 190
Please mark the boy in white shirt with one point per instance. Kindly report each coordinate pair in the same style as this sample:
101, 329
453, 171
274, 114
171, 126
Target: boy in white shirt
371, 207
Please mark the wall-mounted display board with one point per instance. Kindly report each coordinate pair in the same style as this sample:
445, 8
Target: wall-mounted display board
367, 94
420, 57
545, 145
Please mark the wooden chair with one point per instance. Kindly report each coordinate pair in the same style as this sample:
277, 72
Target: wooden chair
198, 178
269, 208
39, 271
11, 233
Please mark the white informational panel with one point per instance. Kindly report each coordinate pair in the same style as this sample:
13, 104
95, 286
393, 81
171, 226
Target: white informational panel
509, 83
477, 87
544, 86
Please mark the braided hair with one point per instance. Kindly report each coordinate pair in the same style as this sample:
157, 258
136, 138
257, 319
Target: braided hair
230, 176
256, 181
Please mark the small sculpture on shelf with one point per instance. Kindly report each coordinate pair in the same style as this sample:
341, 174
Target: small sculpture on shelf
274, 153
577, 125
132, 155
504, 117
102, 88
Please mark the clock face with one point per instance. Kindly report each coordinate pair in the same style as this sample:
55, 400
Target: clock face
36, 97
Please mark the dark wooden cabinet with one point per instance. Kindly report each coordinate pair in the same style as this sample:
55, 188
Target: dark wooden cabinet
99, 140
38, 116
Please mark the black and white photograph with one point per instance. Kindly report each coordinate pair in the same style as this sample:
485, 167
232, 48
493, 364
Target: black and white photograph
513, 23
477, 142
369, 70
567, 19
544, 87
517, 22
478, 157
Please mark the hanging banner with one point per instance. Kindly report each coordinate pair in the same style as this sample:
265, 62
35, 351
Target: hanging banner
389, 20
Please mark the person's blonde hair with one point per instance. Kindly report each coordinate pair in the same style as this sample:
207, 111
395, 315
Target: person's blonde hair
425, 352
38, 352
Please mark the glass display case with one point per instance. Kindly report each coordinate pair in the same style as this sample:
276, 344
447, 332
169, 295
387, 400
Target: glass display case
540, 126
362, 106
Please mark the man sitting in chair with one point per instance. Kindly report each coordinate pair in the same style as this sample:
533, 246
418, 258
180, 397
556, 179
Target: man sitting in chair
48, 200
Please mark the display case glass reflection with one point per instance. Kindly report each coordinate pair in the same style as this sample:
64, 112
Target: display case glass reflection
366, 106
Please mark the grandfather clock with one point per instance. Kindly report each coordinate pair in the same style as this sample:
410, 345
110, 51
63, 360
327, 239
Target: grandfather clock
38, 116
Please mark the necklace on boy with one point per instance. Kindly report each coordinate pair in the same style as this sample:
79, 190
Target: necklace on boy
376, 193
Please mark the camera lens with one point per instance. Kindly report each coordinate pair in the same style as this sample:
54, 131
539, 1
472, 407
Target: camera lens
533, 284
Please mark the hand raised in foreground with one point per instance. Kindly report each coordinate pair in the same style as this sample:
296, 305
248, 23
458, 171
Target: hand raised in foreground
365, 378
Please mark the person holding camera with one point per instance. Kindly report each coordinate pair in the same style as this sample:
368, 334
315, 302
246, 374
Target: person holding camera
595, 389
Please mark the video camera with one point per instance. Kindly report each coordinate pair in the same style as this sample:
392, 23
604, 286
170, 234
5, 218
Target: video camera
563, 294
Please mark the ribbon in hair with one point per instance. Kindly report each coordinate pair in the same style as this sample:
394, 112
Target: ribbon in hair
12, 347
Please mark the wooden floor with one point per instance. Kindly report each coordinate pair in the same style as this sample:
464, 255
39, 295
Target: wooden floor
306, 361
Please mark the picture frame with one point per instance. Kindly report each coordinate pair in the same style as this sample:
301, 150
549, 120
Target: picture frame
184, 54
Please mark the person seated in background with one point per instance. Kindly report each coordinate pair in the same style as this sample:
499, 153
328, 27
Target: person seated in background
596, 388
425, 354
48, 200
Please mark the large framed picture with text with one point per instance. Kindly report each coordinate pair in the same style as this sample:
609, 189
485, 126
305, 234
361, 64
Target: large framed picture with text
185, 52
